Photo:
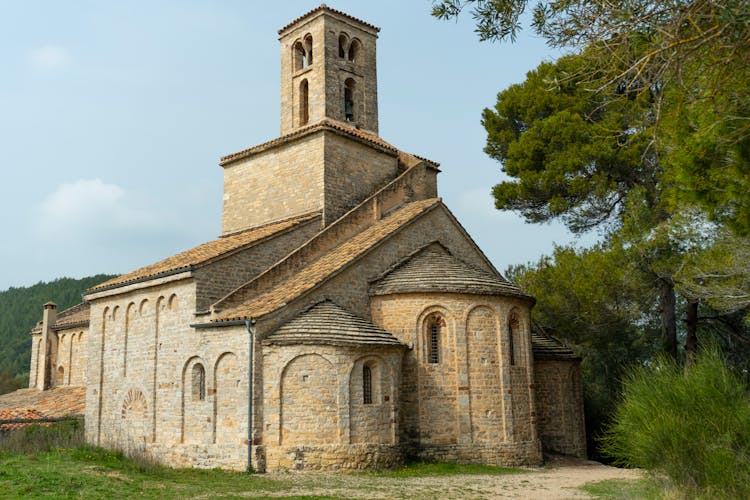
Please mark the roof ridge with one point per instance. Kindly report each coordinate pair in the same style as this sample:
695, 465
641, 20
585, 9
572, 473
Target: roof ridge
327, 265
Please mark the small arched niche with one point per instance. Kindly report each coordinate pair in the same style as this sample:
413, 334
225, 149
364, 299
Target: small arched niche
309, 48
354, 49
343, 45
299, 56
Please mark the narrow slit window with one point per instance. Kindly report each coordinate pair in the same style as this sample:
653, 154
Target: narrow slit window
367, 385
513, 338
349, 100
304, 113
434, 352
199, 383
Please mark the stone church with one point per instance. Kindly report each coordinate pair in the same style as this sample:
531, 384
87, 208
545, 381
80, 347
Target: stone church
344, 319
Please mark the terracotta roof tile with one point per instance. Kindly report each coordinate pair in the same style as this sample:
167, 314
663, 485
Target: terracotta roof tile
325, 7
73, 316
33, 404
326, 266
204, 253
327, 323
434, 269
326, 124
545, 346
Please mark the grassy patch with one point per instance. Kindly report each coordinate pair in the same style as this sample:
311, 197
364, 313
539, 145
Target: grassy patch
417, 469
624, 489
96, 473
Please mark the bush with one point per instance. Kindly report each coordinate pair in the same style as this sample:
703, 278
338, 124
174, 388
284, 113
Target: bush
691, 424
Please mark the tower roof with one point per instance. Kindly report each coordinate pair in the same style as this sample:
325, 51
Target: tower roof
324, 8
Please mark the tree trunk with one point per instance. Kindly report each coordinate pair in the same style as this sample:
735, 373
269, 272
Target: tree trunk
691, 344
668, 317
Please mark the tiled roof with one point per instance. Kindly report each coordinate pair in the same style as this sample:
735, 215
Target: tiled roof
74, 316
326, 266
544, 346
34, 404
18, 415
434, 269
326, 124
325, 7
328, 324
203, 253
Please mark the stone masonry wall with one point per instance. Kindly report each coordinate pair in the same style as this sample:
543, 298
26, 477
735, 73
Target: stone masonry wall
560, 406
274, 184
141, 392
71, 357
470, 398
220, 277
314, 415
353, 171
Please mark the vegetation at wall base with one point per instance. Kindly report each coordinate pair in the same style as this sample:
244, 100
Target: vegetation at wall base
689, 423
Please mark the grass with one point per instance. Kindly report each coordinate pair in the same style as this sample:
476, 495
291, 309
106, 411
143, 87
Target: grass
54, 462
623, 489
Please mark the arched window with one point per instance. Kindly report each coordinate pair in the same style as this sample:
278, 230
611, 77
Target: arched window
304, 113
198, 383
309, 49
299, 56
349, 100
343, 43
354, 50
366, 385
60, 375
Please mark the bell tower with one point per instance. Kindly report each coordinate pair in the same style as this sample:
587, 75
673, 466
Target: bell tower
328, 71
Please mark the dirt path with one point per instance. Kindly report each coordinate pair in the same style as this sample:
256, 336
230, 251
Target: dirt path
560, 478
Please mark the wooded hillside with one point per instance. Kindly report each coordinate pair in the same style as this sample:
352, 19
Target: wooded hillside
20, 309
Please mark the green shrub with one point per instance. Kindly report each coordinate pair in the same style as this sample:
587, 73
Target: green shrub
691, 424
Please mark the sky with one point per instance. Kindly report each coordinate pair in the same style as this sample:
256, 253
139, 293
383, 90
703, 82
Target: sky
113, 117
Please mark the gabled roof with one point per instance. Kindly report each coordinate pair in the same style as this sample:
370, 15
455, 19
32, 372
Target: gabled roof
204, 253
239, 307
329, 324
545, 346
77, 315
435, 269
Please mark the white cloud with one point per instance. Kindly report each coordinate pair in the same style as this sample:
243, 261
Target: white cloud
49, 58
88, 207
